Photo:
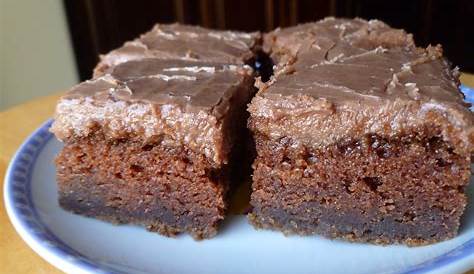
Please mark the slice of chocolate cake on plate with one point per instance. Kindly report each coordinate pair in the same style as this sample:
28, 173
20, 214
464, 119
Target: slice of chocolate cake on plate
360, 135
151, 139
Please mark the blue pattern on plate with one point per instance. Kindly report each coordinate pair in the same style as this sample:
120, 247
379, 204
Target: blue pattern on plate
19, 186
469, 93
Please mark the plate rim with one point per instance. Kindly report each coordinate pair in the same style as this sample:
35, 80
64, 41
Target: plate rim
26, 221
34, 231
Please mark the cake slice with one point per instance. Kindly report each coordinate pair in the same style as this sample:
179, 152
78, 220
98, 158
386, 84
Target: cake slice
152, 138
360, 135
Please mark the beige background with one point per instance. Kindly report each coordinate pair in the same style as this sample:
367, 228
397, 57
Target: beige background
36, 56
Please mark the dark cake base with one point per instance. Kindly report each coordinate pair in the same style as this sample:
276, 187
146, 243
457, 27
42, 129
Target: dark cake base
168, 190
408, 189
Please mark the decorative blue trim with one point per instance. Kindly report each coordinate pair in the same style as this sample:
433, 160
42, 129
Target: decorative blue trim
469, 95
18, 188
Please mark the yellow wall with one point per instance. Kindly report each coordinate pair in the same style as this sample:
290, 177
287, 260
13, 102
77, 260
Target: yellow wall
36, 57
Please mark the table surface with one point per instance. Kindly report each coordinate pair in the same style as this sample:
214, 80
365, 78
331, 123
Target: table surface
16, 124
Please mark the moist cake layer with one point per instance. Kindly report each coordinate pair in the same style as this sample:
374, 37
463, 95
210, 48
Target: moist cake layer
167, 189
407, 189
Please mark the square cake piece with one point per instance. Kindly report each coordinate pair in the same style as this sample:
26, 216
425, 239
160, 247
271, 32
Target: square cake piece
151, 139
360, 135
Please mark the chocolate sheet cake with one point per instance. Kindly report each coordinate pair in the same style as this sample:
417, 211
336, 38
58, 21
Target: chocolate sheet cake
152, 138
360, 135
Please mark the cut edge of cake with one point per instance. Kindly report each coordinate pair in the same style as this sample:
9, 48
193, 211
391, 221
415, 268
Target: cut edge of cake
349, 147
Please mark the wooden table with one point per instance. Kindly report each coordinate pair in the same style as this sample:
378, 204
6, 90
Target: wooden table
15, 125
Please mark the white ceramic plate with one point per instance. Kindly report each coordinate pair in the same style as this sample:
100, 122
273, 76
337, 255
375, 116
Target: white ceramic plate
77, 244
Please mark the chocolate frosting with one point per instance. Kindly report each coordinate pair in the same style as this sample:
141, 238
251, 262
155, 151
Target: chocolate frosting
175, 41
192, 85
179, 85
360, 77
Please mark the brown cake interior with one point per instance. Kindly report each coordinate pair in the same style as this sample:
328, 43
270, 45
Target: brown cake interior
169, 190
405, 189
